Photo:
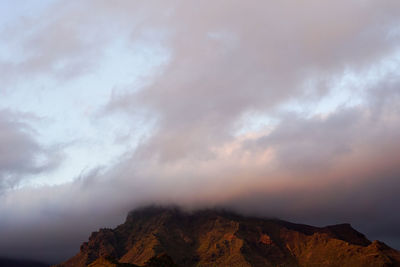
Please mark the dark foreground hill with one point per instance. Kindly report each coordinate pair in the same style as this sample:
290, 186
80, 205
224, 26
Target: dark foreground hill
169, 237
20, 263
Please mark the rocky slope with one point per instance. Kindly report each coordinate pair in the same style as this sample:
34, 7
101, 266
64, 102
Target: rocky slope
157, 236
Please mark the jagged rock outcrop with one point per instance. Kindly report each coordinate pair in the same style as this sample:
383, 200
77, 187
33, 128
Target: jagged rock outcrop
156, 236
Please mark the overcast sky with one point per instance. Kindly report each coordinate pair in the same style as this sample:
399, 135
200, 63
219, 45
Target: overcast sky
276, 108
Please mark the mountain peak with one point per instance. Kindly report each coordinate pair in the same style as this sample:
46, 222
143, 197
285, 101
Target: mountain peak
223, 238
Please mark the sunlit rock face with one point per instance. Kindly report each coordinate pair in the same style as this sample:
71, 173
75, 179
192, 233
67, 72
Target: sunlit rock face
219, 238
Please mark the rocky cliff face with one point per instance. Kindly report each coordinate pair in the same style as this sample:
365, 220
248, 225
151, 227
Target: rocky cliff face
169, 237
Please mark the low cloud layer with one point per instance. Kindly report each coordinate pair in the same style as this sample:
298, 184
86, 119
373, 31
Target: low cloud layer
277, 109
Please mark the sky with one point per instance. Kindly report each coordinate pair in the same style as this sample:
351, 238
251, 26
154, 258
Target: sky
272, 108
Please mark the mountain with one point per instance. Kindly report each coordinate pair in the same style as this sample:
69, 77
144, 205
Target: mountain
4, 262
157, 236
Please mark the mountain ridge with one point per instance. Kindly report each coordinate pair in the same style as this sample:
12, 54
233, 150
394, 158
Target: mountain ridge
151, 235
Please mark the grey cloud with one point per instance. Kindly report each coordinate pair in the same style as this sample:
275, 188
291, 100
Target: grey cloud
20, 153
63, 42
208, 84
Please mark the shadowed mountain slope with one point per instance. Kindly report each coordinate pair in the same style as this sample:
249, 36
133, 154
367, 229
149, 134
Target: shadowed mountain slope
4, 262
156, 236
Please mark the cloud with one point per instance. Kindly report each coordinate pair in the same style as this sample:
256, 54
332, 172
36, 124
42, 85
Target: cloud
226, 66
228, 61
21, 155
